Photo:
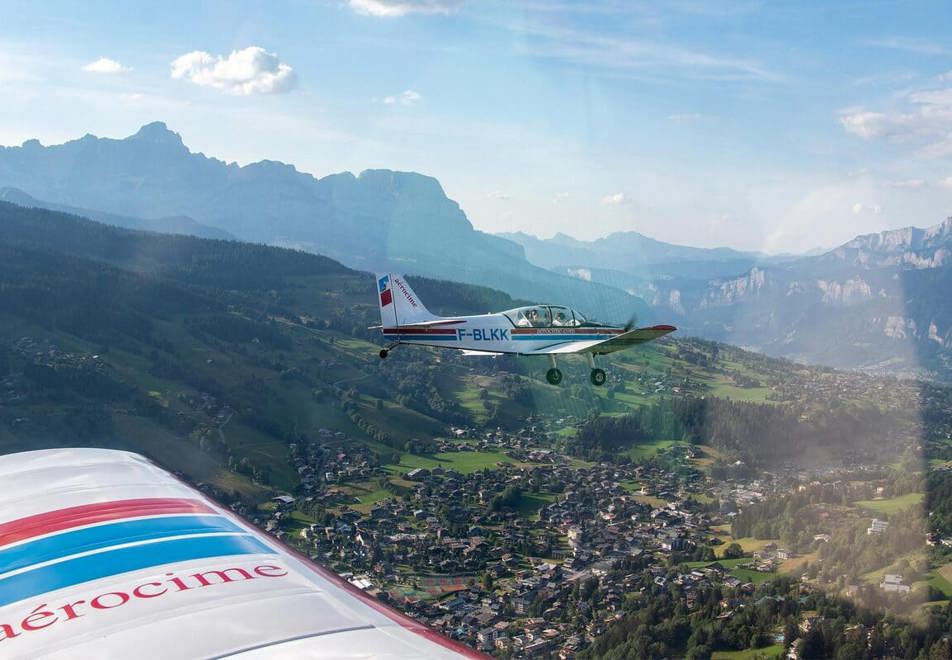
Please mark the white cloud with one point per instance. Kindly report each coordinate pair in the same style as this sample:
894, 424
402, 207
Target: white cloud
500, 195
909, 184
925, 122
688, 117
560, 197
909, 45
396, 8
617, 199
106, 65
946, 182
407, 97
249, 71
626, 53
581, 273
860, 209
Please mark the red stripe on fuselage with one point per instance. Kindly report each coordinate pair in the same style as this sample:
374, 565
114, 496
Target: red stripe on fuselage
88, 514
409, 330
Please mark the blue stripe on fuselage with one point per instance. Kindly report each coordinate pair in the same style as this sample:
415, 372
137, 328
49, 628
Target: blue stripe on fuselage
103, 536
75, 571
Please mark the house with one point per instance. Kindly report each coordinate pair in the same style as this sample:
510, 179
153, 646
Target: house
417, 474
894, 583
877, 526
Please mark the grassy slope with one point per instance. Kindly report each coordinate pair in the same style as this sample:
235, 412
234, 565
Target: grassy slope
892, 505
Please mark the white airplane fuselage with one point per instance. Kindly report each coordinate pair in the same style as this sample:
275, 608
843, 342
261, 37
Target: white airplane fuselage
494, 333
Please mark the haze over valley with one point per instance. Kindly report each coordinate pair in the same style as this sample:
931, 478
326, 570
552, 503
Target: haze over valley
877, 302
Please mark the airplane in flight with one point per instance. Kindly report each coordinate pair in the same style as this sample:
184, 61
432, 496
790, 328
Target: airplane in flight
105, 555
548, 330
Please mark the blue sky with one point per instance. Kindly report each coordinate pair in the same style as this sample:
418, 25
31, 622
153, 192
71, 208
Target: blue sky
770, 126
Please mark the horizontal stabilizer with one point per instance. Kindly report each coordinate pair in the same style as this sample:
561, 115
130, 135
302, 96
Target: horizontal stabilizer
469, 353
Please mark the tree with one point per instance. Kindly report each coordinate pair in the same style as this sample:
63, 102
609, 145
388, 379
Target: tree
733, 551
698, 653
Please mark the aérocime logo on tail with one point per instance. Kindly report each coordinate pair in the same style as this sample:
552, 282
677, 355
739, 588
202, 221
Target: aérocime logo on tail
406, 292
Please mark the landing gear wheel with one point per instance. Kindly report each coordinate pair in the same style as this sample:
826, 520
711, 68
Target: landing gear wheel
554, 376
598, 377
384, 353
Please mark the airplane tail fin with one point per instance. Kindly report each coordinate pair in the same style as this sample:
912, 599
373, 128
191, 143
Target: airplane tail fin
399, 305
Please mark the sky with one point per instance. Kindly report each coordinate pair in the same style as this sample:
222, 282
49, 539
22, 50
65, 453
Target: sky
769, 126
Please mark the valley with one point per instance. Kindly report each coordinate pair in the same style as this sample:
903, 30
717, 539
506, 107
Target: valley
516, 516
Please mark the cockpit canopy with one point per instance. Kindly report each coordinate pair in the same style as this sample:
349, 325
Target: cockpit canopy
545, 316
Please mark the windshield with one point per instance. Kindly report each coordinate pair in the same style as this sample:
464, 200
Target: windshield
544, 316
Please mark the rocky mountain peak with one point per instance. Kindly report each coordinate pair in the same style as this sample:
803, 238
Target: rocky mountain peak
157, 133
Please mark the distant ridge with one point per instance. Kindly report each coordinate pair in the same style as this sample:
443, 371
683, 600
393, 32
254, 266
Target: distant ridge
168, 225
378, 219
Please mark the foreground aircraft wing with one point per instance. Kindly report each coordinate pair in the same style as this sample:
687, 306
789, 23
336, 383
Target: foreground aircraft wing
616, 343
105, 555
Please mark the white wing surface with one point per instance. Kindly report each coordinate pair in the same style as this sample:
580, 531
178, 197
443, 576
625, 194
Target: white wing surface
617, 343
105, 555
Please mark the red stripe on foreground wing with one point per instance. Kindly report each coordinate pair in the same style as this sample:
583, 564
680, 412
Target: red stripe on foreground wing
88, 514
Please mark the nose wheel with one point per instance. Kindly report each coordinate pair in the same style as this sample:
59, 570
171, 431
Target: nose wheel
598, 377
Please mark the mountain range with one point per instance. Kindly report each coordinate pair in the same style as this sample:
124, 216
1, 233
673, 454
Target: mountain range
878, 302
179, 224
375, 221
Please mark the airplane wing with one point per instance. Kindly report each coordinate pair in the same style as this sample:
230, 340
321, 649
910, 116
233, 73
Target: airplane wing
105, 555
616, 343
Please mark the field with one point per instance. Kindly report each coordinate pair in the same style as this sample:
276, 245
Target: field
891, 505
734, 566
465, 462
792, 564
650, 500
875, 577
647, 450
748, 543
941, 579
368, 494
530, 503
768, 652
